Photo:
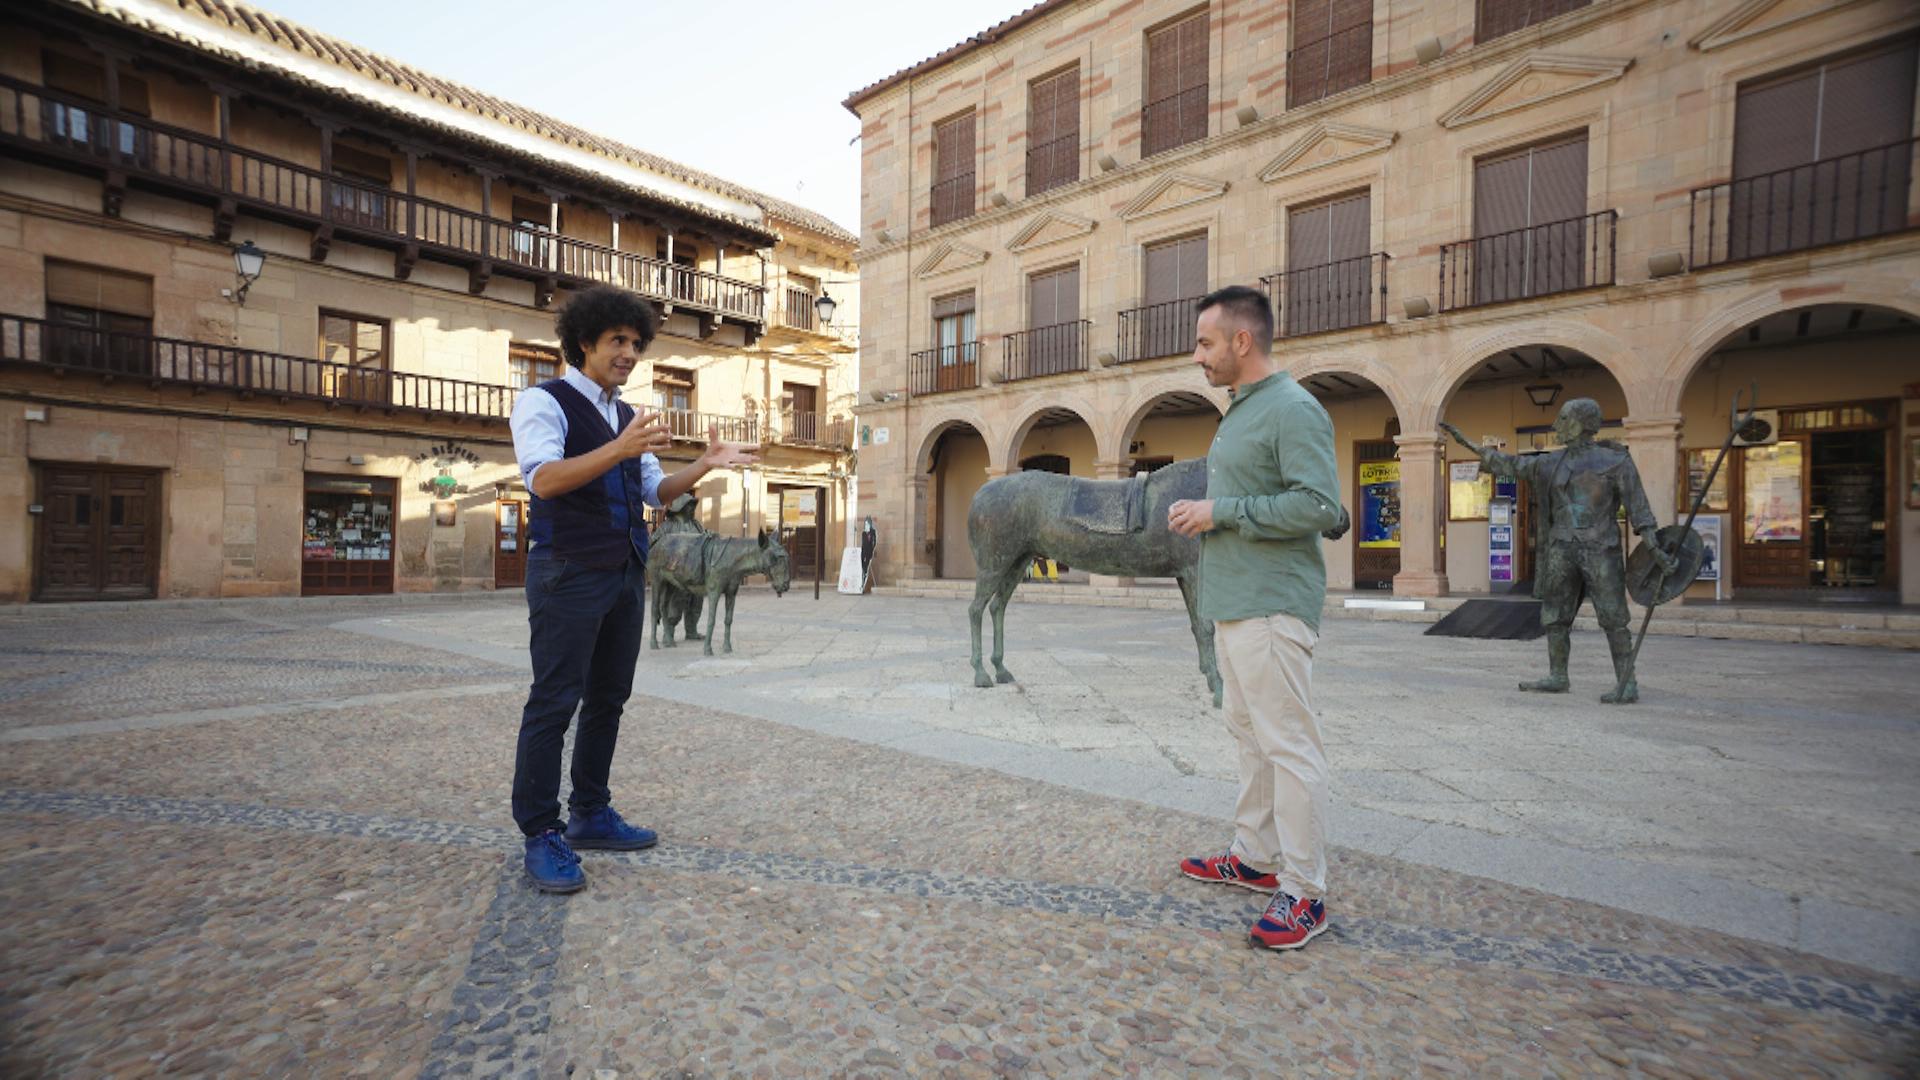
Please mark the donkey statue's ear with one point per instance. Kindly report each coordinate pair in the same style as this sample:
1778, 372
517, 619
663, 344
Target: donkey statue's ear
763, 538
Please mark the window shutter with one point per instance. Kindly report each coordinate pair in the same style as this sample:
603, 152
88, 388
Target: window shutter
1040, 301
1867, 101
948, 306
1053, 298
1053, 131
1559, 182
1498, 18
1309, 237
1500, 195
96, 289
1350, 60
1175, 111
953, 169
1332, 48
1163, 273
1773, 124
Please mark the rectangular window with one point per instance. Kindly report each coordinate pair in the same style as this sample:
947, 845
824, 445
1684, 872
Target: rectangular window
1332, 49
802, 291
1529, 221
1175, 112
1176, 276
1498, 18
1053, 131
673, 389
98, 318
531, 365
953, 188
1328, 284
1052, 343
83, 127
533, 221
1824, 153
956, 339
363, 201
356, 351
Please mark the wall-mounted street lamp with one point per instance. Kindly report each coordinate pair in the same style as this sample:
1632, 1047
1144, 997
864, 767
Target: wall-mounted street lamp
825, 306
248, 261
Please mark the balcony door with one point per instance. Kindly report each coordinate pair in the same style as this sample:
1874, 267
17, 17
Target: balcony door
1823, 154
800, 402
99, 534
98, 319
1327, 282
1529, 221
1176, 275
1053, 322
955, 333
535, 222
366, 183
356, 350
1773, 515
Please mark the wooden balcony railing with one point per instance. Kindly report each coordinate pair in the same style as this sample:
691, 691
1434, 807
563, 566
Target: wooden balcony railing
1157, 330
815, 429
937, 371
1351, 292
1831, 201
798, 312
203, 166
159, 361
1541, 260
1047, 350
687, 425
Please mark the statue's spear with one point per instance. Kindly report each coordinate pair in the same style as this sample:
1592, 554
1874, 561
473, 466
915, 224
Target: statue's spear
1646, 577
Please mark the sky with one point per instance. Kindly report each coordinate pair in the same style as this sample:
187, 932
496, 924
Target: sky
748, 90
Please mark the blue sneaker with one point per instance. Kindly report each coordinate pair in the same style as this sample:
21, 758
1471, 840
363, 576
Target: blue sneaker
552, 864
602, 830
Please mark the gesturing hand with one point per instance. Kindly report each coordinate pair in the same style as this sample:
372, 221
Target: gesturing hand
728, 455
1190, 517
646, 433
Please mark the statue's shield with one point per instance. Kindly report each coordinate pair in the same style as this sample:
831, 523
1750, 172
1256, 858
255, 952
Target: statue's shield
1644, 582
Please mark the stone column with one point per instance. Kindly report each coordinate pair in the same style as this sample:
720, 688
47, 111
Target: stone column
1422, 501
918, 563
1110, 470
1654, 442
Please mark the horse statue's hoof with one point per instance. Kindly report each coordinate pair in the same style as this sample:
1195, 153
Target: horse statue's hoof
1003, 676
982, 680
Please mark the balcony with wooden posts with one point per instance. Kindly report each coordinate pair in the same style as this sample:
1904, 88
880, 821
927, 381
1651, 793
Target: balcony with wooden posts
1835, 200
1524, 264
128, 149
690, 426
944, 370
1046, 350
1157, 330
1336, 296
817, 430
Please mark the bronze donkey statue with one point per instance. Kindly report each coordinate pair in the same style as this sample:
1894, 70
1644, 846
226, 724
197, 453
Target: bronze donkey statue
1116, 527
702, 564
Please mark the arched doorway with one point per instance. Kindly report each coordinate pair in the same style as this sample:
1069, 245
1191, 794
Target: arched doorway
1177, 425
1810, 508
952, 467
1511, 397
1365, 423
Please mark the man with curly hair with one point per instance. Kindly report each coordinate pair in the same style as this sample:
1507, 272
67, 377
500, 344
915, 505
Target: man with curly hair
588, 460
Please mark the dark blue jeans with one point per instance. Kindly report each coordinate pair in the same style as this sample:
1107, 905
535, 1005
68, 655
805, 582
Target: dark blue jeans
586, 627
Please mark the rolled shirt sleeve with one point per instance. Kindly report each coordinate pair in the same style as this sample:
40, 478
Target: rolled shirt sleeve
650, 476
539, 432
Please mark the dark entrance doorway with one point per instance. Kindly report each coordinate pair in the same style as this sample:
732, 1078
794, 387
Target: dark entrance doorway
800, 512
1815, 510
510, 544
99, 534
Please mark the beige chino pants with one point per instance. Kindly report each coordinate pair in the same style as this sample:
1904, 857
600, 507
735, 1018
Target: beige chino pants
1280, 819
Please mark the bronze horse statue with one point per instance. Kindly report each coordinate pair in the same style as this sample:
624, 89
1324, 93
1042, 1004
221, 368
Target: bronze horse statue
1116, 527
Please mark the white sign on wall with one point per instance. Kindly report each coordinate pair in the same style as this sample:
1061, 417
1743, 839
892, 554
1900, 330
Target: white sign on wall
881, 436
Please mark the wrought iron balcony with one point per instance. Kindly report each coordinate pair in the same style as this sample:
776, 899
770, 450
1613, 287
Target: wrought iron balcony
1336, 296
798, 311
1831, 201
948, 368
1173, 121
159, 361
1046, 350
67, 129
1165, 329
1540, 260
951, 199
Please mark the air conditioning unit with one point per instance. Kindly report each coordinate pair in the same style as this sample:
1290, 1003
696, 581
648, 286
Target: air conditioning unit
1762, 430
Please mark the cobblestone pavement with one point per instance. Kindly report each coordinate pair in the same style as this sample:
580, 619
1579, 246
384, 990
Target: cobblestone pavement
278, 844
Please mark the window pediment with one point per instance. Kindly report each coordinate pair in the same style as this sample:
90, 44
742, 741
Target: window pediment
1534, 80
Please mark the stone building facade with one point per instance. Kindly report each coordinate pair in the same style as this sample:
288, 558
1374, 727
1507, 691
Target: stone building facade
340, 423
1470, 210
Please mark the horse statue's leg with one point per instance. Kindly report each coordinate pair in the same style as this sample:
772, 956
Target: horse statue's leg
731, 593
1202, 637
985, 586
693, 619
1008, 582
653, 617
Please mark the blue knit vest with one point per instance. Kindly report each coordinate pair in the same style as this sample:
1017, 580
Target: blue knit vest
599, 523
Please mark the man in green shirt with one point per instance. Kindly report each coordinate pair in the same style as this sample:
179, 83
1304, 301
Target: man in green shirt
1271, 492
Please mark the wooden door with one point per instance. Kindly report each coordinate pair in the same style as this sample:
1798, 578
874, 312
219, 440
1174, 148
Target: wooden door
1773, 516
99, 534
800, 528
510, 544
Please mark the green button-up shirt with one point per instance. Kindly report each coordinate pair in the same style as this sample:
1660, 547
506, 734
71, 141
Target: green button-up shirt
1271, 476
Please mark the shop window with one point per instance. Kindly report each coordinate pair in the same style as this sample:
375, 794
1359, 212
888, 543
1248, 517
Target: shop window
348, 540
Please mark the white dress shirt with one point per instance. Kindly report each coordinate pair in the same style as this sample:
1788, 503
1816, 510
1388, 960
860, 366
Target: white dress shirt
539, 428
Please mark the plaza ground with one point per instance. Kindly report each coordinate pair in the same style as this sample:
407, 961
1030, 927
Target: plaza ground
272, 836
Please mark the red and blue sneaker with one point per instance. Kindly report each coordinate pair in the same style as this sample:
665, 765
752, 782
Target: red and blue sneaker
1289, 922
1227, 869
